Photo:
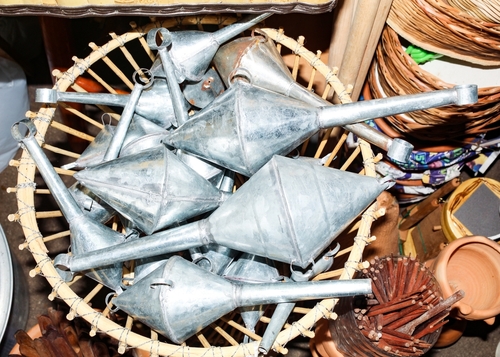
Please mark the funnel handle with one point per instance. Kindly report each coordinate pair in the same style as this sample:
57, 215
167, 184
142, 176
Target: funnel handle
152, 36
16, 133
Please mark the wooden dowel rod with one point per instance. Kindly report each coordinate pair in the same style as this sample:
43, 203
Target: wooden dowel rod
112, 66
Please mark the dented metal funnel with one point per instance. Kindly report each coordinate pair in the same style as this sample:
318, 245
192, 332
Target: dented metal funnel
153, 189
192, 51
246, 125
290, 211
258, 59
86, 234
91, 205
179, 298
154, 103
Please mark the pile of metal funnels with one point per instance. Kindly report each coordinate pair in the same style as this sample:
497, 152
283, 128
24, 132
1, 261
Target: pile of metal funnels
208, 108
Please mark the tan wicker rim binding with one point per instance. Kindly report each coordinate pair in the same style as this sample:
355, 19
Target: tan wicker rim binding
438, 27
395, 73
81, 306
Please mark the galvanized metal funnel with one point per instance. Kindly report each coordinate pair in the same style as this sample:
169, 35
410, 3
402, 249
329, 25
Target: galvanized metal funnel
180, 298
154, 104
153, 189
86, 234
94, 153
91, 205
290, 211
192, 51
246, 125
258, 59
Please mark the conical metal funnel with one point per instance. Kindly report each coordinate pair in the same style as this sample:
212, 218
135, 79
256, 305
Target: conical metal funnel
290, 211
86, 234
153, 189
192, 51
202, 93
246, 125
91, 205
258, 59
94, 153
179, 298
154, 104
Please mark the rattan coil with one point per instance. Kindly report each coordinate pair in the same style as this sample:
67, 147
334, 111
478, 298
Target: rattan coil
485, 10
438, 27
395, 73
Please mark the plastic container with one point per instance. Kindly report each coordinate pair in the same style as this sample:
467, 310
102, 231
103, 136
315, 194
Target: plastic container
14, 103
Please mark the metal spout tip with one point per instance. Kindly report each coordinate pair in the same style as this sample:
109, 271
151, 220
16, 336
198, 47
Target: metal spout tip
46, 95
62, 263
399, 150
69, 166
466, 94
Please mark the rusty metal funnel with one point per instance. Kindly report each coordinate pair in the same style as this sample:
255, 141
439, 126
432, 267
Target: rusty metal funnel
153, 189
258, 59
86, 234
179, 298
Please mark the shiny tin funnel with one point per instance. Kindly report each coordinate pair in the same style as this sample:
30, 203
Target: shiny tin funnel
154, 103
246, 125
192, 51
94, 153
179, 298
86, 234
152, 189
290, 211
258, 59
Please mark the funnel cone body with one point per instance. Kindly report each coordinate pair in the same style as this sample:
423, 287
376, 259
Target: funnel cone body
180, 298
291, 210
244, 127
193, 51
153, 189
86, 235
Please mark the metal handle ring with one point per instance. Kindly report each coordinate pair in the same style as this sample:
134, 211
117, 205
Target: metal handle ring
16, 133
143, 77
152, 36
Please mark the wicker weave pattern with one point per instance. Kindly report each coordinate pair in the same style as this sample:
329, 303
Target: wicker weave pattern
395, 73
438, 27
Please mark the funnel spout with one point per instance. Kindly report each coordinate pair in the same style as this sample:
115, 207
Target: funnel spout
171, 241
360, 111
272, 293
69, 207
47, 95
233, 30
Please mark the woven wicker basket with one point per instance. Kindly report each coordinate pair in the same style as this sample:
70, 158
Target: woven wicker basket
395, 73
224, 337
438, 27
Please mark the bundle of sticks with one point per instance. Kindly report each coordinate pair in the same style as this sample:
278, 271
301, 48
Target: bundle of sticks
406, 307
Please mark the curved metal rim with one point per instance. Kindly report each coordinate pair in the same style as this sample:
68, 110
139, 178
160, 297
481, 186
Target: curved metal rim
6, 282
